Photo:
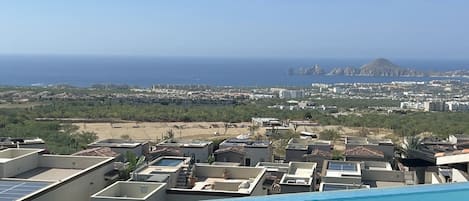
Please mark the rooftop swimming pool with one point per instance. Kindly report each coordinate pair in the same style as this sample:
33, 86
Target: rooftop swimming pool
168, 162
436, 192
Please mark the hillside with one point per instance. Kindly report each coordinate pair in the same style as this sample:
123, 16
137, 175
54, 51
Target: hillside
384, 67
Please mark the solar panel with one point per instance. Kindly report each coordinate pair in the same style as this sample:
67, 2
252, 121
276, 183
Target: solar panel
14, 190
342, 166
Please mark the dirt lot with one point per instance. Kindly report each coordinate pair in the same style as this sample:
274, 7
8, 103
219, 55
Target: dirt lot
154, 131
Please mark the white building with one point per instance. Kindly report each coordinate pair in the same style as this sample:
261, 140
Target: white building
27, 174
291, 94
300, 177
132, 190
412, 105
184, 181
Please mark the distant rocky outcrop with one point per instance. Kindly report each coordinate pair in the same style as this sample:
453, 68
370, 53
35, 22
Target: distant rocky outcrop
344, 71
378, 67
314, 70
384, 67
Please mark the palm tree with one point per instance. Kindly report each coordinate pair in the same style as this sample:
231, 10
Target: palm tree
411, 143
133, 163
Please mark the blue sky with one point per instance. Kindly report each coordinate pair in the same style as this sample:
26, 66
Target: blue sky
238, 28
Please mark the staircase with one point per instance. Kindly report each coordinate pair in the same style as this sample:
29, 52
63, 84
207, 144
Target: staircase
181, 181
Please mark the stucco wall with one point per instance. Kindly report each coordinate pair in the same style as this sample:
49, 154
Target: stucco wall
80, 188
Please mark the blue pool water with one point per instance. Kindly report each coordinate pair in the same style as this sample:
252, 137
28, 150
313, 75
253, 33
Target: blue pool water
168, 162
438, 192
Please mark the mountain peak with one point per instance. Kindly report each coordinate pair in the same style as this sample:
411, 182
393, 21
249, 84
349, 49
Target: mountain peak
380, 63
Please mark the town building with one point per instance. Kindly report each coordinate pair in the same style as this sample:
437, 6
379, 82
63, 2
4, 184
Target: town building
297, 148
291, 94
292, 177
384, 146
362, 153
174, 171
300, 177
456, 106
28, 174
231, 155
247, 152
123, 146
266, 122
193, 182
435, 106
198, 150
343, 175
131, 191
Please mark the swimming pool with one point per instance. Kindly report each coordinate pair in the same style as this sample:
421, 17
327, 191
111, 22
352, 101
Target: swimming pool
168, 162
436, 192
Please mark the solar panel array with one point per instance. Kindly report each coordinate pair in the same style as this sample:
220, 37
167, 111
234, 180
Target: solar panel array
14, 190
342, 166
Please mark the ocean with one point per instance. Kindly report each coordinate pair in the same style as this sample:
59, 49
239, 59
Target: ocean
83, 71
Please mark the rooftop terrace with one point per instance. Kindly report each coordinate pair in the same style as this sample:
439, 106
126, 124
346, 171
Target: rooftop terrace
299, 173
210, 178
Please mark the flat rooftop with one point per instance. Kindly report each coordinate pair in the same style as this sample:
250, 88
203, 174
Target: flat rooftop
246, 143
339, 168
274, 167
11, 154
212, 178
129, 190
377, 165
221, 184
299, 173
115, 143
185, 143
298, 143
48, 174
367, 141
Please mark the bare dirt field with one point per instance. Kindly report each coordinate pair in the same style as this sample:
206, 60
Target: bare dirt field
154, 131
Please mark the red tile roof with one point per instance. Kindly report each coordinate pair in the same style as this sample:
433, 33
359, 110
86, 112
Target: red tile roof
98, 151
